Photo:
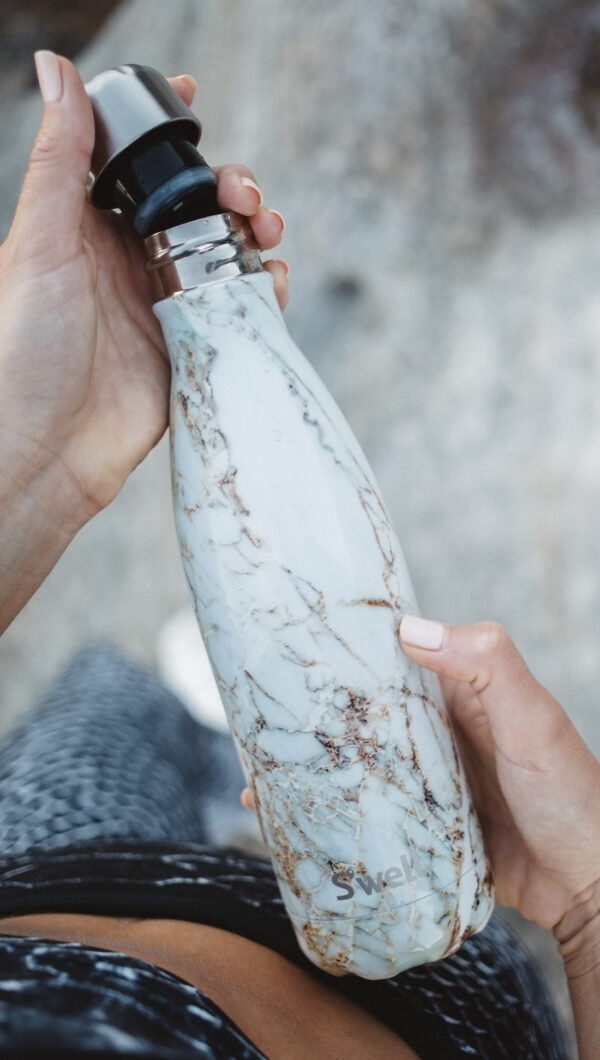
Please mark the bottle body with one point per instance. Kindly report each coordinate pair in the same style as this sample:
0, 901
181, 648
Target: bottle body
299, 586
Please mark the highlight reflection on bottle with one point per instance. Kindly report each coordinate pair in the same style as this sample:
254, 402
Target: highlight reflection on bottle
299, 586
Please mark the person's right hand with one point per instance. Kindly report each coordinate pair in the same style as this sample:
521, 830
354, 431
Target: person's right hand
535, 783
84, 376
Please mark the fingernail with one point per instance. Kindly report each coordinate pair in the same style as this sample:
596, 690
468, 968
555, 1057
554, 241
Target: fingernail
251, 184
285, 264
421, 633
49, 76
281, 218
190, 80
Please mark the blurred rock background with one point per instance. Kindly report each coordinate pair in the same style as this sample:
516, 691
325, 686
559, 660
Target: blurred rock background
439, 169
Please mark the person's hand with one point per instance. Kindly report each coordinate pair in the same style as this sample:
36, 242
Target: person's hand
84, 376
535, 783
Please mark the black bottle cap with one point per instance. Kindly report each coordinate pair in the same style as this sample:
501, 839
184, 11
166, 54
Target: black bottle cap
145, 161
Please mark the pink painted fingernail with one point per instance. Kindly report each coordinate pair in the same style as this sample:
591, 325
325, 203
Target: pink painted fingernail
281, 218
49, 76
251, 184
421, 633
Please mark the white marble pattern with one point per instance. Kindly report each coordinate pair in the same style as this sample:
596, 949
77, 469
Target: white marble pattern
299, 587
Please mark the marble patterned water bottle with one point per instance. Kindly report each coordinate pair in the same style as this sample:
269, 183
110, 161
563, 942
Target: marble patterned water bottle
298, 580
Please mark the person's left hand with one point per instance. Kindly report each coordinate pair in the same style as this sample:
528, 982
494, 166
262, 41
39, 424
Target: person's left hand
84, 376
535, 783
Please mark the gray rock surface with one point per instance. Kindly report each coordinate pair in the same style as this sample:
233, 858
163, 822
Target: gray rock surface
439, 170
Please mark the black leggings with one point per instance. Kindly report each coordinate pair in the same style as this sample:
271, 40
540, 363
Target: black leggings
110, 754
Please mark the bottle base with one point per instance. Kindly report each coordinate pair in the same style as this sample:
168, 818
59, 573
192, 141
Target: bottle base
382, 945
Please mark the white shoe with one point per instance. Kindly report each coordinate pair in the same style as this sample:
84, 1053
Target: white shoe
185, 668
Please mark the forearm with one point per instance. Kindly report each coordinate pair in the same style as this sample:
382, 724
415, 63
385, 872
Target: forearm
41, 510
578, 934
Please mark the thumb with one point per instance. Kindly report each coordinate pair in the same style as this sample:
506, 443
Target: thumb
495, 690
50, 209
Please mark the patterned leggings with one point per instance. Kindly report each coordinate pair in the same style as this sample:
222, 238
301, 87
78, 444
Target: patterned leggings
111, 754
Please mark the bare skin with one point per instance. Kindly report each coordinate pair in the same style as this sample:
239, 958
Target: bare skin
84, 374
279, 1006
536, 786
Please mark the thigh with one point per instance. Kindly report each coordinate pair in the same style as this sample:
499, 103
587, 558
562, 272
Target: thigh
489, 1000
110, 752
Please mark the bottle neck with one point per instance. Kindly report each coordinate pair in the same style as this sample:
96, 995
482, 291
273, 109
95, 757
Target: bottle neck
200, 252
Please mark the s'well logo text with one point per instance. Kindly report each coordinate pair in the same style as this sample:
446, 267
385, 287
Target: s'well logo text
350, 880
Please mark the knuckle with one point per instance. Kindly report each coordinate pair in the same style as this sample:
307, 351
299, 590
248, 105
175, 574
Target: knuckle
235, 171
491, 639
51, 147
45, 149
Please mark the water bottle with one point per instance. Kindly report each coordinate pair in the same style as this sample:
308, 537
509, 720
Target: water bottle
297, 577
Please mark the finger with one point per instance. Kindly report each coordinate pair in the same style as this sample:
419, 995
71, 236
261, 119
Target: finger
247, 800
268, 227
238, 190
185, 86
526, 722
51, 205
279, 270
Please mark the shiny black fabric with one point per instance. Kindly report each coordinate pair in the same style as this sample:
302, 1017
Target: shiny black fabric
61, 999
107, 794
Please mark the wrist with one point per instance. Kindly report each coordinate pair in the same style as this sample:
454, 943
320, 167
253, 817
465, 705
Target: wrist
578, 934
42, 509
30, 469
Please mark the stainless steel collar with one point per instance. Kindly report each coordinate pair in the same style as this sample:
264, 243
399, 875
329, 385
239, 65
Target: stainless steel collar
201, 252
